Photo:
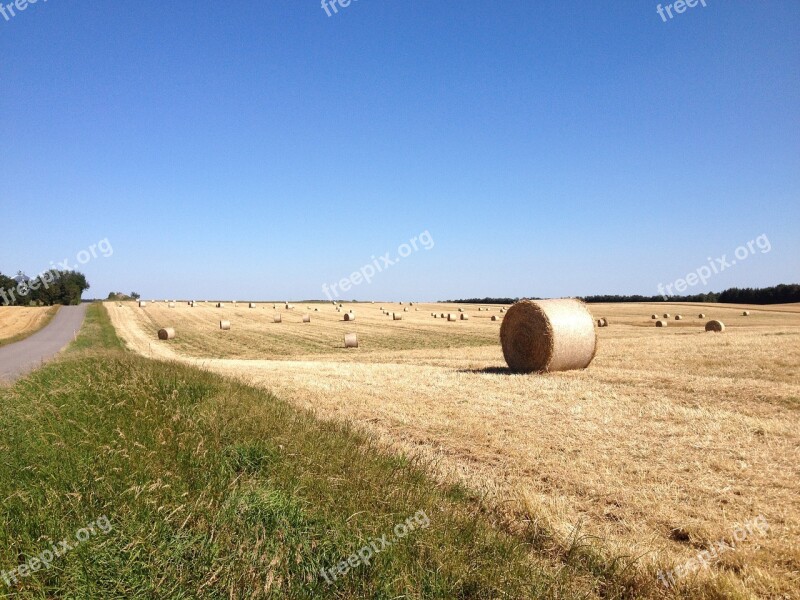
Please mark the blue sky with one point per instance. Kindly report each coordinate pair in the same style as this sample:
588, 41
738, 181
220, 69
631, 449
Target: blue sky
258, 150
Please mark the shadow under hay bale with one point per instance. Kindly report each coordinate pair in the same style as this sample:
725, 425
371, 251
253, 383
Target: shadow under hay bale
716, 326
548, 335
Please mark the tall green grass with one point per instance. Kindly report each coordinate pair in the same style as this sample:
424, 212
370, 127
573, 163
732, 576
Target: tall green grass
218, 490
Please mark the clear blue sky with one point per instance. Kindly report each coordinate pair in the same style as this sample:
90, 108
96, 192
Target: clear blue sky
250, 149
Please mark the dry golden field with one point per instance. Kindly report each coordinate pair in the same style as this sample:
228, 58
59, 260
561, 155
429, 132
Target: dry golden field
658, 450
17, 322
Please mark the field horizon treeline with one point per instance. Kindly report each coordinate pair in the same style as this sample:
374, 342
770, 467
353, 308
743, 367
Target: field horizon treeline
47, 289
778, 294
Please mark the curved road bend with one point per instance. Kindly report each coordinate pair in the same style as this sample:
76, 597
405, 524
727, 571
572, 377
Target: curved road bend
22, 357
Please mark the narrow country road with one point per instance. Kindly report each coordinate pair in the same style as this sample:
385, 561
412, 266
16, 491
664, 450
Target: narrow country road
22, 357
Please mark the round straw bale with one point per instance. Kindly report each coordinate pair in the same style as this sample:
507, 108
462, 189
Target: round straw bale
601, 322
460, 310
316, 310
142, 303
350, 316
435, 316
306, 318
717, 326
654, 316
666, 315
451, 317
220, 305
397, 316
502, 310
351, 340
745, 313
171, 305
168, 333
252, 305
442, 316
464, 317
548, 335
494, 317
701, 316
405, 309
660, 323
225, 325
678, 318
277, 318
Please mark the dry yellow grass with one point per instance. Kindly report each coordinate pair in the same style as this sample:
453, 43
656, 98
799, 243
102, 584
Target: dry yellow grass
18, 322
668, 428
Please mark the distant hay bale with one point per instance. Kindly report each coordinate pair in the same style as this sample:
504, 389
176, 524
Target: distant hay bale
220, 305
548, 335
252, 305
171, 305
405, 309
464, 317
350, 316
654, 316
745, 313
494, 317
678, 318
316, 310
601, 322
442, 316
142, 303
435, 316
397, 316
451, 317
717, 326
701, 316
460, 310
411, 304
351, 340
306, 318
666, 315
225, 325
661, 323
168, 333
502, 310
277, 318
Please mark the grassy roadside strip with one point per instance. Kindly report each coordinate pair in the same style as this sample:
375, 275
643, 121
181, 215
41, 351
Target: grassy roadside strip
51, 313
215, 489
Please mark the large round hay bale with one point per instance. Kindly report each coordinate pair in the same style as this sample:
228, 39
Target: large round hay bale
168, 333
460, 310
142, 303
654, 316
397, 316
464, 317
171, 305
451, 317
548, 335
442, 316
350, 316
745, 313
316, 310
405, 309
494, 317
666, 315
502, 310
601, 322
717, 326
435, 316
306, 318
678, 318
277, 318
351, 340
701, 316
252, 305
661, 323
225, 325
220, 305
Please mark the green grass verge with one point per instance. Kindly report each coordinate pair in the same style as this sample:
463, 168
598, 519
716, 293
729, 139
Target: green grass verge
51, 313
218, 490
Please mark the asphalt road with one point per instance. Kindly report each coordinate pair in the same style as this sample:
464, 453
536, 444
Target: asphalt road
20, 358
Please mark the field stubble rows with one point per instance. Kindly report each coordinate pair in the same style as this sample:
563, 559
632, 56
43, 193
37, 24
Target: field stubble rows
668, 429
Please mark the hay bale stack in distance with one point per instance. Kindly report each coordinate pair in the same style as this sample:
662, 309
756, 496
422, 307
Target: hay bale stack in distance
351, 340
350, 316
716, 326
225, 325
548, 335
168, 333
306, 318
277, 318
661, 323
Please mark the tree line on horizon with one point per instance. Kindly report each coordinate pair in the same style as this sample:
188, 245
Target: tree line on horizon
47, 289
778, 294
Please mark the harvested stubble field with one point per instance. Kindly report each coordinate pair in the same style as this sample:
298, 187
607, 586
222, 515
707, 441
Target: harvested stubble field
660, 448
19, 322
